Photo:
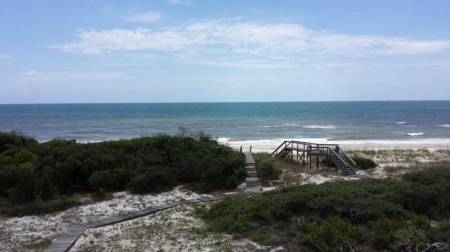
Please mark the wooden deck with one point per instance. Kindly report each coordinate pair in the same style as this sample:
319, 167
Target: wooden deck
304, 152
65, 241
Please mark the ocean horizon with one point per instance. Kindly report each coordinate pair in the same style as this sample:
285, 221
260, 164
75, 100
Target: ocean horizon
235, 123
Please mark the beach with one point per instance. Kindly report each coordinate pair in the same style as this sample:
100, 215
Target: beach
271, 145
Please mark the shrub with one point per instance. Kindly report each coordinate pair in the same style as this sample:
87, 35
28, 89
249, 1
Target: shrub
152, 179
101, 180
361, 163
364, 163
267, 169
324, 216
147, 164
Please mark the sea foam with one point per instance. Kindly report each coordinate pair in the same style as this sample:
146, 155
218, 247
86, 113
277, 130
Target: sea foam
415, 134
319, 127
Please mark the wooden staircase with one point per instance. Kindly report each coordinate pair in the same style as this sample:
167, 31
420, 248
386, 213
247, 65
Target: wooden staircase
342, 164
338, 156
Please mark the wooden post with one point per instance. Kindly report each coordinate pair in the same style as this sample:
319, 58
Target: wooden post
250, 149
317, 162
241, 149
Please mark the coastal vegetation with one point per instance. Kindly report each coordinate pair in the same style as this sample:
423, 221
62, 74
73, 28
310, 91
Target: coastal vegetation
35, 178
379, 214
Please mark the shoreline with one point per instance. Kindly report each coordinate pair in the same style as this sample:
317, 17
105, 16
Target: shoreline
271, 145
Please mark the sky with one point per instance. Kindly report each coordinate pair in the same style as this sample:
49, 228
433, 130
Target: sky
99, 51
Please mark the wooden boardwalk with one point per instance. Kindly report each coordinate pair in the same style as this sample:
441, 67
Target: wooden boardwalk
251, 181
65, 241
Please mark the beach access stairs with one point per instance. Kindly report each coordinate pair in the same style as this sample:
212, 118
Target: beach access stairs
303, 152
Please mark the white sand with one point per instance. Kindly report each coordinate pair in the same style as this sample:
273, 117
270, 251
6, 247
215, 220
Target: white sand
176, 229
18, 233
271, 145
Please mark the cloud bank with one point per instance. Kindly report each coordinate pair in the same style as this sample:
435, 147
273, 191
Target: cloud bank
225, 37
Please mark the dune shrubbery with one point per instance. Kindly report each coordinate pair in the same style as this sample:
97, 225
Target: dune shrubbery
31, 171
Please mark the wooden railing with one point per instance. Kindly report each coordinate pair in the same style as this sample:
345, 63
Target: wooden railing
287, 147
291, 144
347, 158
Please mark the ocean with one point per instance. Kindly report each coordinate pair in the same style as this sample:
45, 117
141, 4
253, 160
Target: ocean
237, 123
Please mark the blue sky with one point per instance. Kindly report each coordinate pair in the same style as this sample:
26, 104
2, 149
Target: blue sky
91, 51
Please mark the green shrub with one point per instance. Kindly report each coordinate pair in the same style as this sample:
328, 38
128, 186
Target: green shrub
334, 233
266, 169
364, 163
148, 164
152, 179
334, 214
14, 140
361, 163
101, 180
39, 208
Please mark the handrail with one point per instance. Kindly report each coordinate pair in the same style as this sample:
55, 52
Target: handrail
316, 149
288, 143
342, 159
347, 157
275, 151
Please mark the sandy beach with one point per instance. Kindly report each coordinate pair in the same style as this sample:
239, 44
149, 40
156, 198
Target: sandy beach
271, 145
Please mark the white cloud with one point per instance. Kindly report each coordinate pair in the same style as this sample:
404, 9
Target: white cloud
232, 37
147, 17
180, 2
34, 76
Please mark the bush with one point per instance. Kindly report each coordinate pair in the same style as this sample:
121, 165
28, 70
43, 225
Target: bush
148, 164
364, 163
333, 215
361, 163
152, 179
14, 140
266, 169
101, 180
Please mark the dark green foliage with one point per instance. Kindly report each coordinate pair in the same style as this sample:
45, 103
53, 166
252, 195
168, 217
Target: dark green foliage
266, 169
152, 179
386, 212
14, 140
333, 233
361, 163
38, 208
437, 180
101, 180
364, 163
30, 171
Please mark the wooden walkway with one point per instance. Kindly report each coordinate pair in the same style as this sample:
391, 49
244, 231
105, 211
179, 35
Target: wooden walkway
251, 181
65, 241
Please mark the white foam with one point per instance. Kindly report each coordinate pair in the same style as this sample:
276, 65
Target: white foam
319, 127
444, 125
398, 122
415, 134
